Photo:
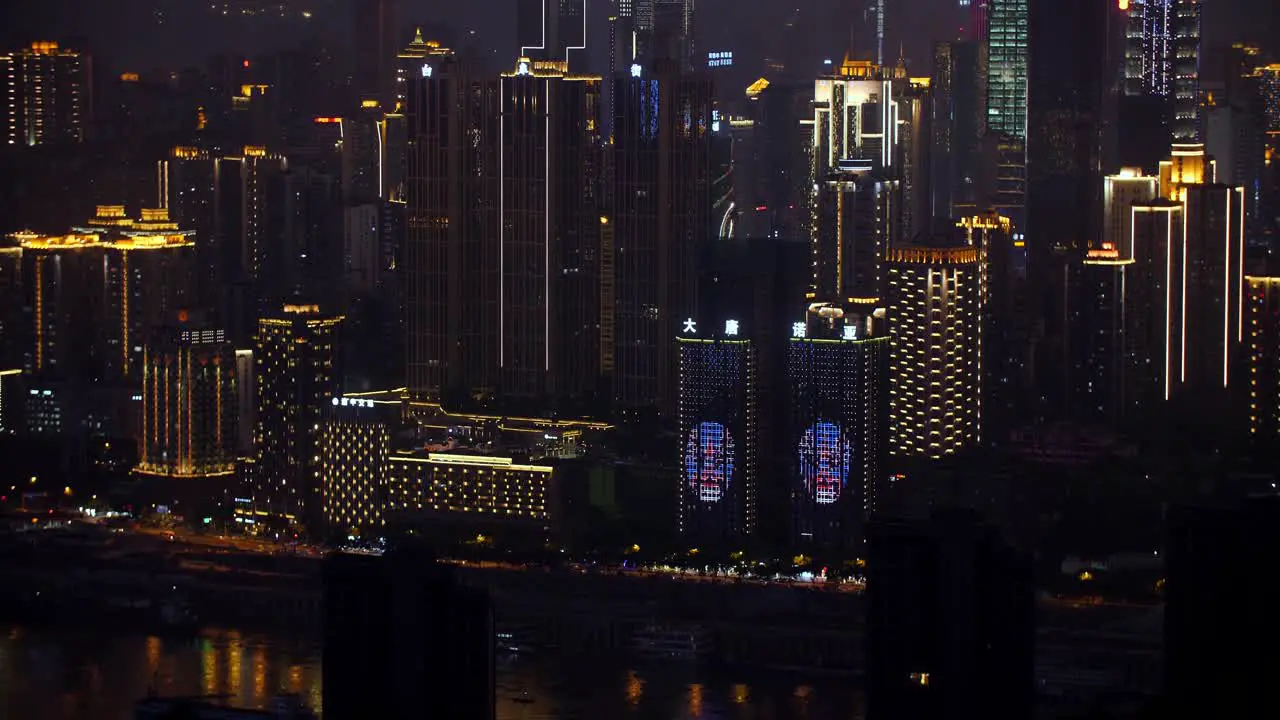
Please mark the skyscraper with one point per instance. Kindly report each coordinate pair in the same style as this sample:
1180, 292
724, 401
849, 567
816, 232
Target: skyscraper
46, 95
1102, 375
935, 361
838, 367
1185, 65
1007, 59
717, 421
189, 435
1153, 311
1148, 66
1262, 355
663, 209
1120, 192
353, 447
373, 24
857, 219
297, 377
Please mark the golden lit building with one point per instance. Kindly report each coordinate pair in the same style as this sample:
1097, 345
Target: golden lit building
63, 286
935, 358
1120, 192
45, 95
480, 489
417, 60
149, 275
1262, 332
353, 461
295, 371
189, 403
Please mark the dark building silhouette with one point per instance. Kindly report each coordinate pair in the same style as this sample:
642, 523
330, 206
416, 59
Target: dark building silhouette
1220, 621
950, 621
403, 639
663, 210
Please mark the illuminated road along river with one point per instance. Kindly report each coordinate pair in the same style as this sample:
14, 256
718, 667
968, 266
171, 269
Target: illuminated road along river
55, 674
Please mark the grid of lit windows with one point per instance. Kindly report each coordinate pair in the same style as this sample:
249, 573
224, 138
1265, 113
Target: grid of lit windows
935, 362
1262, 327
353, 456
1007, 68
824, 461
479, 485
45, 95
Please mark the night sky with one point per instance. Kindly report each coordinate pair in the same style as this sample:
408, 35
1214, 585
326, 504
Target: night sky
170, 34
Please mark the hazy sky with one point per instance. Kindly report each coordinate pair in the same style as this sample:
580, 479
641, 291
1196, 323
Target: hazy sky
145, 34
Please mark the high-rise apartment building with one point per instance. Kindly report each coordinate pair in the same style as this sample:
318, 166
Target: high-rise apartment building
46, 95
190, 404
373, 24
353, 446
1262, 356
958, 86
935, 361
717, 422
1103, 380
297, 377
66, 318
857, 217
1120, 192
838, 368
663, 208
1153, 307
1185, 71
504, 181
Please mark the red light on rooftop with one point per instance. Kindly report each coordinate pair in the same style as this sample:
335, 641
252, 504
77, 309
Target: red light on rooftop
246, 63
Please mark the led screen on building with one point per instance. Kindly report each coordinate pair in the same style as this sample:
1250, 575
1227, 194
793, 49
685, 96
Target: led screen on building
824, 461
708, 460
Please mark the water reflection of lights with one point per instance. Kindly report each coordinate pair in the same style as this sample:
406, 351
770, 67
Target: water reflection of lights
235, 663
741, 693
695, 700
635, 689
260, 674
208, 666
153, 655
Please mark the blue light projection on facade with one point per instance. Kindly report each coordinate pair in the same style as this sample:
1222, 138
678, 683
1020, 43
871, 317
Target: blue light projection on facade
824, 461
708, 461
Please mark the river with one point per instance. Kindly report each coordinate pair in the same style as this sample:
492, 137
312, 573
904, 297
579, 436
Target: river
56, 674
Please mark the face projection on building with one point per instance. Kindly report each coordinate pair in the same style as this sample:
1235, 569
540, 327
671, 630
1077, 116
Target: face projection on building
708, 461
824, 461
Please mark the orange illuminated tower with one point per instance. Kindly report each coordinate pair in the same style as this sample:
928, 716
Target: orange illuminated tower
45, 95
189, 434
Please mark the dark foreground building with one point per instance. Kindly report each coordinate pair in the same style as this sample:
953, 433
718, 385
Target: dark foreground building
402, 639
950, 622
1221, 627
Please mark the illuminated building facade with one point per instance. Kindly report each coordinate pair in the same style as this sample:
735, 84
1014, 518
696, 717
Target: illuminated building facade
354, 445
296, 375
45, 95
480, 490
1262, 353
958, 85
417, 60
664, 205
1007, 59
935, 361
838, 369
856, 117
1153, 301
190, 403
1185, 67
66, 318
717, 422
1120, 193
1148, 66
1269, 89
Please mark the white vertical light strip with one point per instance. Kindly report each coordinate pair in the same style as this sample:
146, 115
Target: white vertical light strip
378, 128
1226, 292
546, 220
1240, 270
502, 221
1168, 304
1183, 310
